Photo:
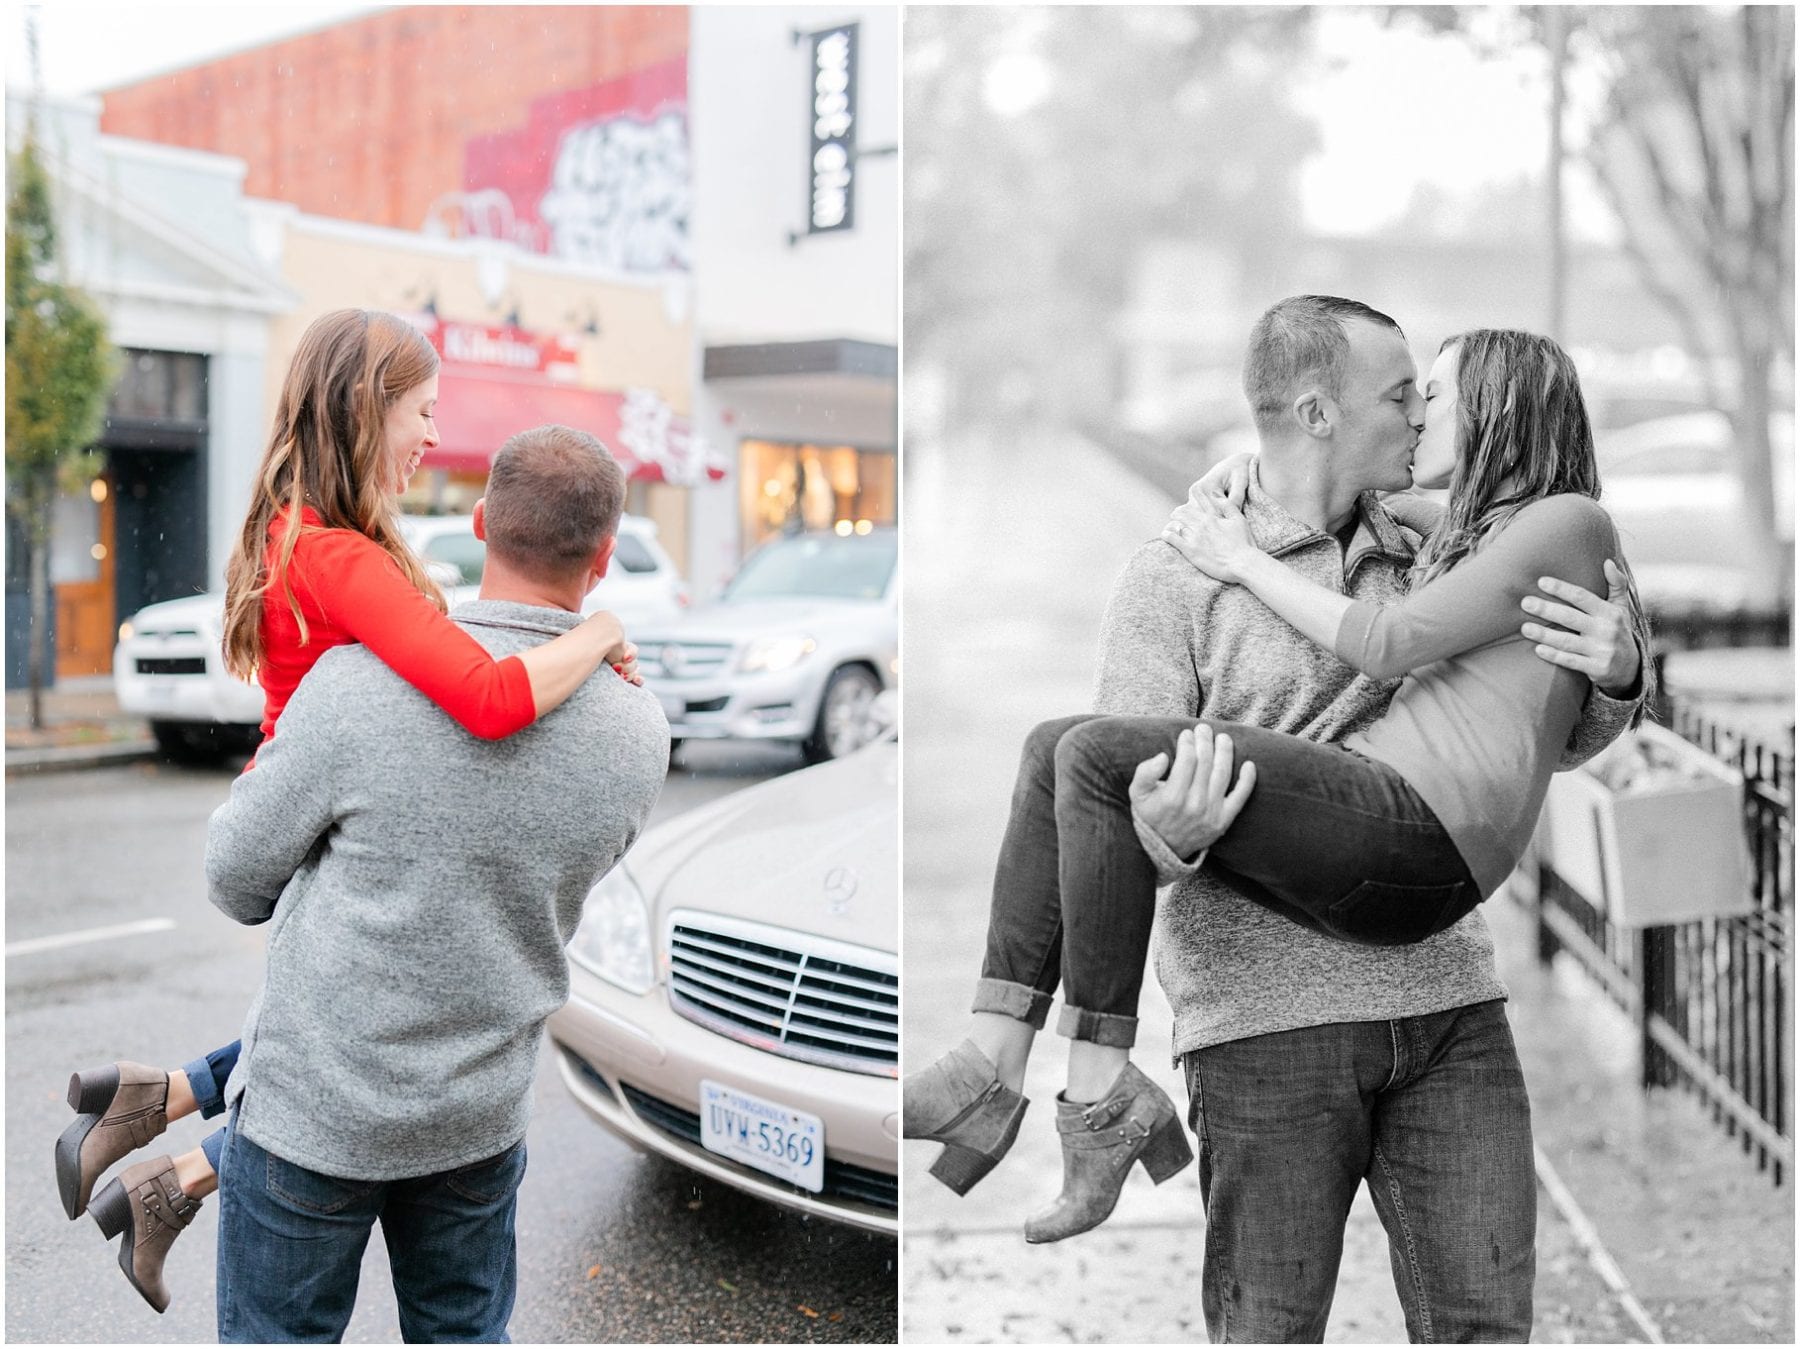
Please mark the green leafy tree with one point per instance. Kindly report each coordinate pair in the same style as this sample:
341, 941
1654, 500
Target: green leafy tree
59, 367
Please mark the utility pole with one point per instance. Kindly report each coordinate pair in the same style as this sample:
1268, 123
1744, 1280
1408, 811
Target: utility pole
1557, 18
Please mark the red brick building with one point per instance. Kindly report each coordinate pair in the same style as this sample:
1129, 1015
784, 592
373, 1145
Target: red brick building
318, 131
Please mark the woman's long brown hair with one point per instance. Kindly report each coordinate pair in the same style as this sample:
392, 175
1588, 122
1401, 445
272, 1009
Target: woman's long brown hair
1522, 434
327, 450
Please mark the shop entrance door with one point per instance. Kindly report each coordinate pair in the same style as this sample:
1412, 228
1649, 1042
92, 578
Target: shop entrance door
83, 572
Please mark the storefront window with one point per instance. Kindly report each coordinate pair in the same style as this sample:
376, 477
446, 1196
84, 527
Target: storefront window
785, 488
440, 491
160, 384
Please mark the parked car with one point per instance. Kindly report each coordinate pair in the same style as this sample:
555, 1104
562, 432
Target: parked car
168, 669
642, 586
734, 991
1672, 488
794, 649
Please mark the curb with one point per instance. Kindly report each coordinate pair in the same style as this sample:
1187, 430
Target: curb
66, 758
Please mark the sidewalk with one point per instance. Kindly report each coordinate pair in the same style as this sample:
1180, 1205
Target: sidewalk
1011, 554
82, 727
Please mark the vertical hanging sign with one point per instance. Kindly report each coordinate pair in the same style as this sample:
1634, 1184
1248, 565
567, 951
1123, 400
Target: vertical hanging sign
831, 112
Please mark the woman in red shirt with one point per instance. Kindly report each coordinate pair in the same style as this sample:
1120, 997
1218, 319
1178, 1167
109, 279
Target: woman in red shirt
319, 563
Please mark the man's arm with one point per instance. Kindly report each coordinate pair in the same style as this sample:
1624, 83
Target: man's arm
279, 810
1147, 668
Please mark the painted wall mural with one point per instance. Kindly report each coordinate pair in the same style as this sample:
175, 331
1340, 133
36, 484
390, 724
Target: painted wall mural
599, 176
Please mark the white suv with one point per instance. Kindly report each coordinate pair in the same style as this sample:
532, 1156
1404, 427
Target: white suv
168, 668
796, 647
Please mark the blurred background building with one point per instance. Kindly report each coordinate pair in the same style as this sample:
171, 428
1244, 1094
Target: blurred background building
1100, 203
676, 228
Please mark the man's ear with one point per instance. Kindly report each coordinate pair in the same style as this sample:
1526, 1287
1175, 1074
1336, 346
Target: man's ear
1313, 413
481, 519
603, 557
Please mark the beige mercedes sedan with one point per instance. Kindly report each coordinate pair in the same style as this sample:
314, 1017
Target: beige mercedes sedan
735, 991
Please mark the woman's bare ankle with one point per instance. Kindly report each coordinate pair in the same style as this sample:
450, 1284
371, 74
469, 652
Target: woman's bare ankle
1006, 1042
1092, 1070
195, 1174
181, 1095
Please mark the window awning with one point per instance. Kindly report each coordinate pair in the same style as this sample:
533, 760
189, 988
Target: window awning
479, 408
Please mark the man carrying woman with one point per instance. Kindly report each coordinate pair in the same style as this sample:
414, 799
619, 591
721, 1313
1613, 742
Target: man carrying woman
1313, 1063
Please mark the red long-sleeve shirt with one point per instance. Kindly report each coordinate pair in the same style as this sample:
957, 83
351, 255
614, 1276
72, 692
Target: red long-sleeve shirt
351, 590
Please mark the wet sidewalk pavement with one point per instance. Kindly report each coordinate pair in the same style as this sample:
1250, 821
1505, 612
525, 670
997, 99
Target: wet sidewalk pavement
83, 726
1011, 553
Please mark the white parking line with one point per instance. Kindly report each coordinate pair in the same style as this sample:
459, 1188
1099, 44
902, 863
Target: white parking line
36, 944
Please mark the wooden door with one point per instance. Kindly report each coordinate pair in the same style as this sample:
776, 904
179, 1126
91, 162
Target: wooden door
86, 616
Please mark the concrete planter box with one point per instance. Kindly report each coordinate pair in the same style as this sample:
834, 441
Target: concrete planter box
1669, 849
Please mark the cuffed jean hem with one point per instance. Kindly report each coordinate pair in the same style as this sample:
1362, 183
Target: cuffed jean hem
213, 1145
1101, 1028
207, 1077
1019, 1001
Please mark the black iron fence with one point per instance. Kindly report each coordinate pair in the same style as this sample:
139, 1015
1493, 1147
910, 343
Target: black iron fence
1711, 998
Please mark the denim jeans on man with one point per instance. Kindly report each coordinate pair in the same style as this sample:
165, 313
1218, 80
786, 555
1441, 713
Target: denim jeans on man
1330, 838
1291, 1123
291, 1244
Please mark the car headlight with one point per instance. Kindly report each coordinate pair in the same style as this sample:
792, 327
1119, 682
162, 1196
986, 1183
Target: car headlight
776, 653
613, 938
126, 631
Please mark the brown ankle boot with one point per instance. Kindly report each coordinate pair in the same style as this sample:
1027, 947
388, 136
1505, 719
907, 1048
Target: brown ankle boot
121, 1107
960, 1101
149, 1206
1134, 1122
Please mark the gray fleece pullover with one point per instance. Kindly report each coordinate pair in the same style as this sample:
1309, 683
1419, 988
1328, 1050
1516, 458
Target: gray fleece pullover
1175, 642
419, 885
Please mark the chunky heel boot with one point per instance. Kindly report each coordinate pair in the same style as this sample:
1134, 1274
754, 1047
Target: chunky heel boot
119, 1108
149, 1206
1134, 1121
959, 1101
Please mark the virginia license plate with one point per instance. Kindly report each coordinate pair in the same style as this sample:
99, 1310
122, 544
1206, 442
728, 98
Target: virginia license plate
788, 1144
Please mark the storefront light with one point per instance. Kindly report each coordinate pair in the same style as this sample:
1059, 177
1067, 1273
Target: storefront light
97, 489
843, 527
863, 526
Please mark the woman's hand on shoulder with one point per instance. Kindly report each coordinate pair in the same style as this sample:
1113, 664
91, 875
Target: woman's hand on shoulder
1213, 535
1229, 479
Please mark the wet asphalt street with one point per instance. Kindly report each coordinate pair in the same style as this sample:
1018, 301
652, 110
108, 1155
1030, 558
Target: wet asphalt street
613, 1246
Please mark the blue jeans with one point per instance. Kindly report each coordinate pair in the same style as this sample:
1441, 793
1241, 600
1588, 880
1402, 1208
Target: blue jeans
1329, 838
1430, 1111
206, 1078
291, 1244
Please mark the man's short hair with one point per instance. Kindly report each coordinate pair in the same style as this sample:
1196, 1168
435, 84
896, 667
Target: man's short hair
1301, 337
554, 495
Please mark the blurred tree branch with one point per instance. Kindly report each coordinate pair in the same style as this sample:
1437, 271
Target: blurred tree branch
1693, 148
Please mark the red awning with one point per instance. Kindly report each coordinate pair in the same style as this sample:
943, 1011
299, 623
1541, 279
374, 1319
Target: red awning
478, 409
